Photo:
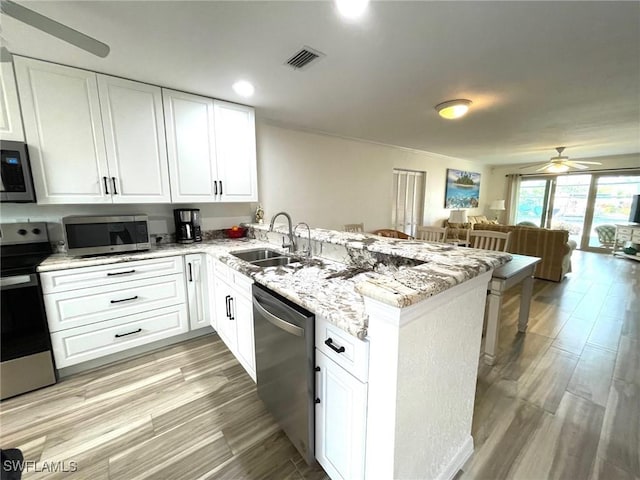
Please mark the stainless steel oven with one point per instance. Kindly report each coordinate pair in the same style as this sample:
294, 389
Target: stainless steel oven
16, 184
26, 358
97, 235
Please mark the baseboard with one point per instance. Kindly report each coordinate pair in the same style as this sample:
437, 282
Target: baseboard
458, 461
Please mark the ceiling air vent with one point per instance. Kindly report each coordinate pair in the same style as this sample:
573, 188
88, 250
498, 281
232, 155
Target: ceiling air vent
304, 57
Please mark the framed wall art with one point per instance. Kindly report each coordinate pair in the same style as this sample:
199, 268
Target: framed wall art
462, 189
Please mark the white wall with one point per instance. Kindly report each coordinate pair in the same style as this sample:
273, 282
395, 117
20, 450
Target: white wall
328, 181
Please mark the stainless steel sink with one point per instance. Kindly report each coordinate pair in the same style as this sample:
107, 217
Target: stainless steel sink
275, 262
257, 254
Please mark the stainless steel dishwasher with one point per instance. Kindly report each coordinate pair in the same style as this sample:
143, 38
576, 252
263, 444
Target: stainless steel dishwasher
285, 358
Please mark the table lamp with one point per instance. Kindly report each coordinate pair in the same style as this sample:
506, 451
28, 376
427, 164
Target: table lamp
458, 216
497, 206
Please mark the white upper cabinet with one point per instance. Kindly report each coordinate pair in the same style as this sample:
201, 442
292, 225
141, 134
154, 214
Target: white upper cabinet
94, 138
190, 147
211, 149
63, 129
236, 151
135, 141
10, 119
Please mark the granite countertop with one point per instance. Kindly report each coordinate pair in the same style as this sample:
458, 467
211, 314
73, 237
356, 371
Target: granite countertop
397, 272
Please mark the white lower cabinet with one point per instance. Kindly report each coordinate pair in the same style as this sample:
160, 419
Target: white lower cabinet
127, 305
340, 420
89, 342
197, 290
234, 313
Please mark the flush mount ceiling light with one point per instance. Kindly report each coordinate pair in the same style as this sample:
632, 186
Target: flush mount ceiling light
351, 9
453, 108
243, 88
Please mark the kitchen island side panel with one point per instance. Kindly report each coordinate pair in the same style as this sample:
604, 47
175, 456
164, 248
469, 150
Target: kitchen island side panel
422, 389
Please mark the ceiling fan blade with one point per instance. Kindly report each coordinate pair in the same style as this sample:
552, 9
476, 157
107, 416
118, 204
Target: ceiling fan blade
579, 166
529, 165
589, 163
544, 167
54, 28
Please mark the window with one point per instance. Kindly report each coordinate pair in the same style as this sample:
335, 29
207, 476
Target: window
408, 200
579, 203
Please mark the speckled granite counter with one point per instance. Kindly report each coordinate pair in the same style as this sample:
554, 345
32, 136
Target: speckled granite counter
372, 266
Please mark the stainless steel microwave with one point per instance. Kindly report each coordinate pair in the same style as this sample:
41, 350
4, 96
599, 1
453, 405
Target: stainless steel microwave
98, 235
16, 184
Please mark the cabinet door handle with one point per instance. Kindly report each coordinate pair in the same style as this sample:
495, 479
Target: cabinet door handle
226, 302
118, 335
220, 187
231, 314
115, 190
190, 272
111, 274
317, 400
317, 369
329, 343
215, 187
125, 299
106, 185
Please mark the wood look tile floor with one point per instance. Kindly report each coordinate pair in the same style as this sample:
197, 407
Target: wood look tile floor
562, 401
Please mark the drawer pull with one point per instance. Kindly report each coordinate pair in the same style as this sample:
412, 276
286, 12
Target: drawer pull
125, 299
118, 335
227, 301
329, 343
231, 312
190, 272
111, 274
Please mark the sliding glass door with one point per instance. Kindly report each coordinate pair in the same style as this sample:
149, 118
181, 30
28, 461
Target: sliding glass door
587, 205
611, 205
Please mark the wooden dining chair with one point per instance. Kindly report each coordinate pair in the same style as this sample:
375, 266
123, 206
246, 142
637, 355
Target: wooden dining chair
489, 240
432, 234
354, 227
390, 233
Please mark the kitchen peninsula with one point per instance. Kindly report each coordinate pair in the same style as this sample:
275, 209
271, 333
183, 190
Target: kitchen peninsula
410, 316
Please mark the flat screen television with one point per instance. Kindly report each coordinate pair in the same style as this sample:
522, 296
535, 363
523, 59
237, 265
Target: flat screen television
634, 216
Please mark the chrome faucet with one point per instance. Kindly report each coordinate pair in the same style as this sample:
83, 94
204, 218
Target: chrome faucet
308, 252
292, 243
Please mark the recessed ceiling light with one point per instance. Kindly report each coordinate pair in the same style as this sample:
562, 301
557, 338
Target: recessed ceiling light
351, 8
243, 88
453, 108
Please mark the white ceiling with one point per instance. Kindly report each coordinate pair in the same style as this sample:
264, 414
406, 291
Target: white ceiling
540, 74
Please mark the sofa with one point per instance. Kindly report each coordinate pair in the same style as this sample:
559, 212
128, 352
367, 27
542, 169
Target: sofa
552, 246
460, 231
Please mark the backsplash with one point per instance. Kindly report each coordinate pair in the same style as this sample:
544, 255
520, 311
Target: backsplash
213, 216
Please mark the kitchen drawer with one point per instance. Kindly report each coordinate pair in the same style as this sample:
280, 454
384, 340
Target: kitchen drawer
625, 230
74, 278
222, 270
242, 284
624, 237
77, 308
81, 344
354, 353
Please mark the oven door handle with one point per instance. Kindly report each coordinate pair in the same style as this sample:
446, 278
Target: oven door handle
19, 281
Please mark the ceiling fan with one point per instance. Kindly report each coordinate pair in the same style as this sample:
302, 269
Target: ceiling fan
561, 164
54, 28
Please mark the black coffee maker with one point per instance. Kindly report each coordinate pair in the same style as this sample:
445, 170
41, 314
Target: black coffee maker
187, 225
